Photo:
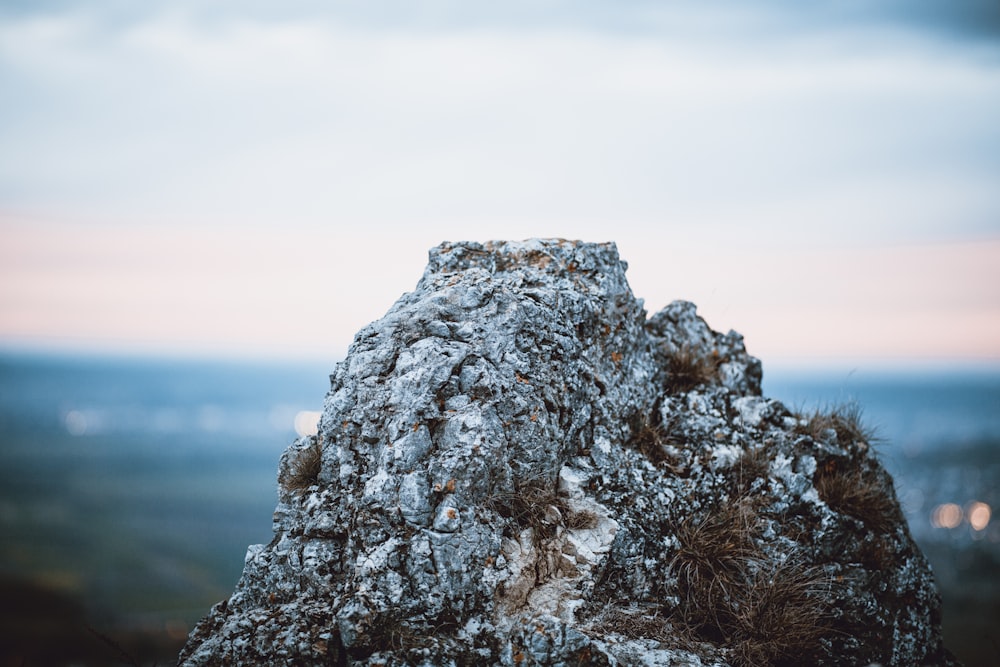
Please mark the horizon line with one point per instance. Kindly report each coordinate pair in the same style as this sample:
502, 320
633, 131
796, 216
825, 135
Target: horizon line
785, 365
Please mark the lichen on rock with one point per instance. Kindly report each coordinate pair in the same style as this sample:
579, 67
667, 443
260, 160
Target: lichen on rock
515, 466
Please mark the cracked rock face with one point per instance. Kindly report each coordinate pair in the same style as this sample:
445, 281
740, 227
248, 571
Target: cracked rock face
516, 467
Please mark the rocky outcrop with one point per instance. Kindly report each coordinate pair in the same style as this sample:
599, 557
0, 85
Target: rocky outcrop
515, 466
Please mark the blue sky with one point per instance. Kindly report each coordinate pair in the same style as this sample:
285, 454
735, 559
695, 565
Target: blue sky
243, 176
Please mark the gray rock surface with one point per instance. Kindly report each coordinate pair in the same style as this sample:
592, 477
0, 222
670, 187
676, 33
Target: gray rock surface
516, 467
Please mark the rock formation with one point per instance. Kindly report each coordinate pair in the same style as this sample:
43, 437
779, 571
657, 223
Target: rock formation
516, 467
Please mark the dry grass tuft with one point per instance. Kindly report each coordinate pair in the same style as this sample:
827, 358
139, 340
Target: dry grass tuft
846, 421
651, 440
633, 624
533, 504
637, 623
866, 496
780, 614
686, 369
710, 561
394, 631
537, 505
754, 463
304, 467
731, 593
582, 520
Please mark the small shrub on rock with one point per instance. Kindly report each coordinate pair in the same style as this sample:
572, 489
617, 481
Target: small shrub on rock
303, 468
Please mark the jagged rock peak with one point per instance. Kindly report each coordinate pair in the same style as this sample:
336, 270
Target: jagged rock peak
516, 467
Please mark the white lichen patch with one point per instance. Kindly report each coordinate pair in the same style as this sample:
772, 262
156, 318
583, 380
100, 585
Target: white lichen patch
253, 552
546, 578
520, 556
586, 545
648, 653
725, 456
795, 475
375, 486
375, 560
812, 496
557, 597
751, 409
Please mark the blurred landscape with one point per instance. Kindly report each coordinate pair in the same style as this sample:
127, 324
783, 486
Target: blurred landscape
131, 488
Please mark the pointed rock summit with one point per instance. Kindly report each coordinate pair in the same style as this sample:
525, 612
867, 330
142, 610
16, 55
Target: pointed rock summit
516, 467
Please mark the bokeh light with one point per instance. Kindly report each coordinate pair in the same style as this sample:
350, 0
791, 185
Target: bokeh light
76, 422
307, 422
979, 515
946, 515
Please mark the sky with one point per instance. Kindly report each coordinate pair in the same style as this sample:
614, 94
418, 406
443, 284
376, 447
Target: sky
263, 179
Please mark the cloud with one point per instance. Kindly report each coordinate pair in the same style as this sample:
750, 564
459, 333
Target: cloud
951, 19
228, 117
192, 173
961, 20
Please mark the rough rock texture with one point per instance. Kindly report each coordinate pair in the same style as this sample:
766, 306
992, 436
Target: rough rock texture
515, 466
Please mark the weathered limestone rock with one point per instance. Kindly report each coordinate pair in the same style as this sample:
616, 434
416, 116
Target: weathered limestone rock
515, 467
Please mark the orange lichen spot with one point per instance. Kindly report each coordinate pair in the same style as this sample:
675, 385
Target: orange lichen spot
416, 427
539, 259
521, 378
518, 657
489, 561
534, 416
616, 357
571, 267
452, 514
450, 486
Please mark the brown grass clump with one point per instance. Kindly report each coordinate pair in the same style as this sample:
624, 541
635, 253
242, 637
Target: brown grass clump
866, 496
754, 463
582, 520
533, 504
304, 467
633, 624
537, 505
780, 615
846, 421
710, 561
651, 439
764, 612
638, 623
686, 369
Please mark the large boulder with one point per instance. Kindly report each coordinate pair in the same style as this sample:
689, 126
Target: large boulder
516, 467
